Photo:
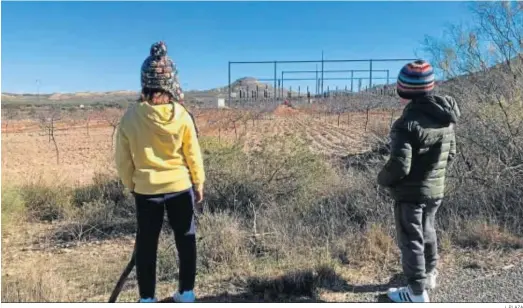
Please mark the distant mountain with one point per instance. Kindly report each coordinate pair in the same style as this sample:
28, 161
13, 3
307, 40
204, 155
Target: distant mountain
243, 84
70, 98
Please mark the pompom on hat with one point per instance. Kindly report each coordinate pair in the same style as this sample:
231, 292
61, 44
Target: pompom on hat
415, 79
160, 72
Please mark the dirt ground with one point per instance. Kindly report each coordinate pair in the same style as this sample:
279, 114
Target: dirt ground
86, 147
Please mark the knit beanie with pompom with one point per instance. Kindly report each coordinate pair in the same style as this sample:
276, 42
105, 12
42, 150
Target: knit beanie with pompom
159, 72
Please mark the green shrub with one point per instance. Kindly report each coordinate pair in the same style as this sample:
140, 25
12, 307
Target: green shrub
45, 203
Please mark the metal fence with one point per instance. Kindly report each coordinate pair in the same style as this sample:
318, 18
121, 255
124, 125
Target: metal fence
278, 91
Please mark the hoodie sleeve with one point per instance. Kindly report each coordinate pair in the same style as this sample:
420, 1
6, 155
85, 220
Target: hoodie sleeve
192, 153
399, 164
124, 160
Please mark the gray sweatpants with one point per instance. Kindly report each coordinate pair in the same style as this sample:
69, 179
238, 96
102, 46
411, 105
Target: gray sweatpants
417, 240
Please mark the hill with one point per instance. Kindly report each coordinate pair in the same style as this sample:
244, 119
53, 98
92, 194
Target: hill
203, 96
77, 98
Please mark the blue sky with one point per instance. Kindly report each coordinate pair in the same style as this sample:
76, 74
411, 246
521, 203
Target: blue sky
100, 46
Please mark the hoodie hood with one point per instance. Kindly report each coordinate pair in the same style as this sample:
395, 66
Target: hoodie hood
160, 117
442, 108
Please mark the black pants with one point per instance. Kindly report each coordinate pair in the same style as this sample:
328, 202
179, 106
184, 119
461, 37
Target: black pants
417, 240
150, 215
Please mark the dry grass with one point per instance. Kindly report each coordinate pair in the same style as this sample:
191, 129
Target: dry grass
223, 243
37, 285
480, 234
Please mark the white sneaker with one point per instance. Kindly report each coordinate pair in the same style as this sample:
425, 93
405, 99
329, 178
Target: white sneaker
405, 295
431, 280
185, 297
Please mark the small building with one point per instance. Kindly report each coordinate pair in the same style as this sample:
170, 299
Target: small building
221, 102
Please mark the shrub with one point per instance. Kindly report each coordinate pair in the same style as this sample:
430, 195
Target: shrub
222, 243
280, 172
99, 210
45, 203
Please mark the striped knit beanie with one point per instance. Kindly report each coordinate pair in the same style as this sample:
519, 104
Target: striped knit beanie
160, 72
415, 79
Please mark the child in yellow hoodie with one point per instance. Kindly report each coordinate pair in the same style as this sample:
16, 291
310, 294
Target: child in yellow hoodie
158, 158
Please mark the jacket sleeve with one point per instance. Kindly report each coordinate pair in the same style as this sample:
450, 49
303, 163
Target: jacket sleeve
192, 153
399, 163
124, 160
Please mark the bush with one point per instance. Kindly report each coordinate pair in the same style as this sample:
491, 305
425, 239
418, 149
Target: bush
45, 203
487, 179
483, 235
282, 171
97, 219
99, 210
222, 243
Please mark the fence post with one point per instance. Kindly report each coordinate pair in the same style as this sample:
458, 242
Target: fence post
367, 121
275, 80
370, 74
229, 98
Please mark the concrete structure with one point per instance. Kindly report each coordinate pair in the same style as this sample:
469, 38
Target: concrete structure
221, 102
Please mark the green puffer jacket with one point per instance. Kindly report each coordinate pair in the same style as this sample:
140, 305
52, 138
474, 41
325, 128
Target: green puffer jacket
422, 143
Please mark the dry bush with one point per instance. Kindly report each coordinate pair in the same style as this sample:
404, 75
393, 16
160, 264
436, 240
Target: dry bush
222, 246
376, 247
291, 201
97, 219
101, 209
484, 65
104, 187
222, 243
482, 235
95, 211
45, 203
280, 171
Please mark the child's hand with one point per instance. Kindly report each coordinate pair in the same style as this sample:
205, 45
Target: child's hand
198, 196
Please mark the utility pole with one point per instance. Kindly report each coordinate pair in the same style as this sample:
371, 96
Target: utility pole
322, 72
38, 90
317, 81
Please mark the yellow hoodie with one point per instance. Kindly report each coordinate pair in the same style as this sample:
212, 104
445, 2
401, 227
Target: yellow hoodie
155, 155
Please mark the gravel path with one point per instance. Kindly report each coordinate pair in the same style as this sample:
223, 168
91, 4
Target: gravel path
464, 282
477, 277
473, 285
